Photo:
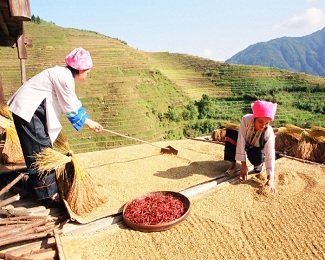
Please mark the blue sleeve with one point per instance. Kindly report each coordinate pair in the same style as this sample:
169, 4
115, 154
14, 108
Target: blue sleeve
78, 118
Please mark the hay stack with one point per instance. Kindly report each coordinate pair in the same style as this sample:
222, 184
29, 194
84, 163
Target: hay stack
12, 152
232, 126
317, 134
287, 139
5, 112
305, 146
75, 185
219, 135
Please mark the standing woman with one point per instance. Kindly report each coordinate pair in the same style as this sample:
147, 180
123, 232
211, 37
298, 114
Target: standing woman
255, 139
36, 108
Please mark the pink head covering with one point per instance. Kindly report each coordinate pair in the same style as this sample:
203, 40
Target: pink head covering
79, 59
264, 109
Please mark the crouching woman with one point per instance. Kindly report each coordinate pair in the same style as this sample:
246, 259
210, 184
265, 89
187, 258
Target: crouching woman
254, 139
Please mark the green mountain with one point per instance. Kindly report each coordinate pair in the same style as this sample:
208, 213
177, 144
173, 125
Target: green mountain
160, 96
298, 54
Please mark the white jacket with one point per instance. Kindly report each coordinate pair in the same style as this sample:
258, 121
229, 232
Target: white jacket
57, 86
247, 123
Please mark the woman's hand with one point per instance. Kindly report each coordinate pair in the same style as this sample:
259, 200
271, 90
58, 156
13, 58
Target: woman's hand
243, 172
94, 125
271, 185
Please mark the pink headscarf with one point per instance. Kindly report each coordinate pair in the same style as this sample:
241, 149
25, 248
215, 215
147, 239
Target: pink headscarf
79, 59
264, 109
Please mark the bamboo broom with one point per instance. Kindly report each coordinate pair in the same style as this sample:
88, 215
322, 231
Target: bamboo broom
77, 186
12, 151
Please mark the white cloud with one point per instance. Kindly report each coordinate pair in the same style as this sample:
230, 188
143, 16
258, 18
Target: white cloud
312, 18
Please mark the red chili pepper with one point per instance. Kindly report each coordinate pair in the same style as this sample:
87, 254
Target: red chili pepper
154, 209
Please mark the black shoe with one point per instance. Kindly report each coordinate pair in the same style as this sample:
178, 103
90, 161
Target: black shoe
258, 169
49, 203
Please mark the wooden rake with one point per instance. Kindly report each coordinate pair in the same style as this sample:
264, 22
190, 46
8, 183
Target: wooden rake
168, 149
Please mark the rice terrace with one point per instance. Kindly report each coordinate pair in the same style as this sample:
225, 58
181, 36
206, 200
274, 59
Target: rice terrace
179, 101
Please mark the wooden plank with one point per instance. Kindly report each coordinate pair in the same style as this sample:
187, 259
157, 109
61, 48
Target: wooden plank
7, 168
23, 247
20, 9
22, 53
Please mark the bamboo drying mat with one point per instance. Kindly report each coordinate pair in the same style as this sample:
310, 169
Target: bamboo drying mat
127, 172
237, 221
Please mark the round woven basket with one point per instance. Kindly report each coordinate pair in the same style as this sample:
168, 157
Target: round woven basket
162, 226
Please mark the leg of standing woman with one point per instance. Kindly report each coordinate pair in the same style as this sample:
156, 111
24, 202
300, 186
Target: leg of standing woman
33, 138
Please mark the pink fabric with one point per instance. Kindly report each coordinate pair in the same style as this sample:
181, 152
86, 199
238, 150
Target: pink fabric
79, 59
264, 109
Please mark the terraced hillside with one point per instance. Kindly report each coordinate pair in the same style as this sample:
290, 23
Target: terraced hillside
130, 91
235, 86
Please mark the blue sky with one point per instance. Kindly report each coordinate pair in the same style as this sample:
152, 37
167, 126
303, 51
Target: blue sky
213, 29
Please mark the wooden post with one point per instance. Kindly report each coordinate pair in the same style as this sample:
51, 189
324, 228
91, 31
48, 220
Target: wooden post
22, 54
2, 97
23, 71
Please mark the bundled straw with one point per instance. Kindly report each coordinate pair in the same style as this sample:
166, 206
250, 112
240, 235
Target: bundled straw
287, 139
232, 126
12, 151
317, 134
219, 135
305, 146
83, 195
5, 112
75, 184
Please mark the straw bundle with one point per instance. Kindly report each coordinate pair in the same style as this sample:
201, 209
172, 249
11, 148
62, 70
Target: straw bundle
305, 146
292, 130
83, 195
12, 151
5, 112
232, 126
317, 134
219, 135
75, 184
287, 139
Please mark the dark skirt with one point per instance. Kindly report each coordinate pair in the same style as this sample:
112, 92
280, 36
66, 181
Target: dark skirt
230, 145
254, 154
33, 137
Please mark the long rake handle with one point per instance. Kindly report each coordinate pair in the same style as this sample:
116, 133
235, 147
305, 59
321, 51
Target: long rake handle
129, 137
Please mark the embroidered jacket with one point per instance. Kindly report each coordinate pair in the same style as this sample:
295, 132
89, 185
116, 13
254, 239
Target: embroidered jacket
57, 87
247, 135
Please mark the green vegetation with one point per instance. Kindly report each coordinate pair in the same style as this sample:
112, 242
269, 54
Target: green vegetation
161, 96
